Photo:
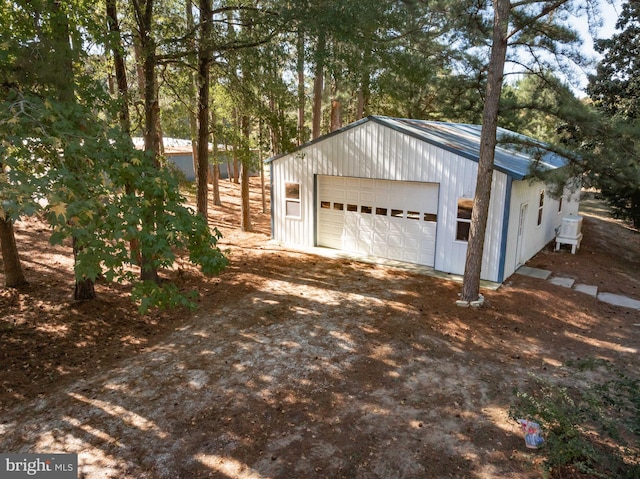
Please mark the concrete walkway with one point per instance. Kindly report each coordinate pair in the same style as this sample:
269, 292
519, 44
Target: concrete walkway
610, 298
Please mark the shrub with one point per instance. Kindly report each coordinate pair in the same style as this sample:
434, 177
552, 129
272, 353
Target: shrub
591, 427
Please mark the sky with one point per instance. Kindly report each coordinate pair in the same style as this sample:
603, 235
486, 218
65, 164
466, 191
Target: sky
575, 77
609, 17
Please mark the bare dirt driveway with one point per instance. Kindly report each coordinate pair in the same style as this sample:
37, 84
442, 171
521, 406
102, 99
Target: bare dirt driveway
299, 366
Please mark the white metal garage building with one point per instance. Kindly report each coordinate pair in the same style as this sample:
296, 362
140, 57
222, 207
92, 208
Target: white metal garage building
403, 189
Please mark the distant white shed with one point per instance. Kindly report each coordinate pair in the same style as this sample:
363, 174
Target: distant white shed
403, 189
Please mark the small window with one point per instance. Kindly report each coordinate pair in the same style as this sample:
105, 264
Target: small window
338, 206
352, 207
413, 215
325, 204
292, 191
381, 211
365, 209
431, 218
292, 199
465, 208
560, 204
397, 213
540, 207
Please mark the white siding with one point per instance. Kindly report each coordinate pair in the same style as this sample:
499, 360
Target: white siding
535, 236
371, 150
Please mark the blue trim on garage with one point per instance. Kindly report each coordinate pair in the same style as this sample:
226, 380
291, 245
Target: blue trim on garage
273, 206
315, 210
505, 229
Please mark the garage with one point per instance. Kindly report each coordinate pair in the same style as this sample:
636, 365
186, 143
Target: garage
383, 218
403, 189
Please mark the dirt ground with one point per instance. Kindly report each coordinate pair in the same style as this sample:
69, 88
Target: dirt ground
299, 366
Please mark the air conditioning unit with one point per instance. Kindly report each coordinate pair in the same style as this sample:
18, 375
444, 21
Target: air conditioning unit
570, 232
571, 227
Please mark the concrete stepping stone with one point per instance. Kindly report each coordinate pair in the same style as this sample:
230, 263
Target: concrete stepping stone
565, 282
533, 272
619, 300
587, 289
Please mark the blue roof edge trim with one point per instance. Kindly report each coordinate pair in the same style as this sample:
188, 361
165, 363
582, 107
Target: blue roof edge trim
463, 140
319, 139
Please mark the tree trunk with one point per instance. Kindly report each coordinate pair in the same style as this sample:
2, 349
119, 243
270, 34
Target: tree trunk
318, 87
301, 95
13, 275
244, 174
262, 182
236, 168
236, 147
193, 86
144, 17
488, 140
62, 61
245, 195
217, 200
123, 92
276, 137
84, 289
364, 94
215, 181
118, 63
336, 114
137, 52
204, 61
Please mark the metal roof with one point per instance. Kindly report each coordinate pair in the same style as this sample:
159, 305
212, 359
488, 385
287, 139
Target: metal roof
516, 155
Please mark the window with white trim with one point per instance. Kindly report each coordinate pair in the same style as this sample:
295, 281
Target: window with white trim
465, 208
292, 199
540, 207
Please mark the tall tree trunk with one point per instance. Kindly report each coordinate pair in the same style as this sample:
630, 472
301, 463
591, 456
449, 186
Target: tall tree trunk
488, 140
84, 289
364, 95
262, 182
62, 61
118, 63
318, 86
244, 185
193, 87
301, 95
144, 17
215, 181
204, 61
13, 275
137, 52
230, 174
335, 121
245, 197
336, 114
123, 92
236, 147
276, 138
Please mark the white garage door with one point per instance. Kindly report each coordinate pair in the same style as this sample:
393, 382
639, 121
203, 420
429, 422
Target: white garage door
389, 219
